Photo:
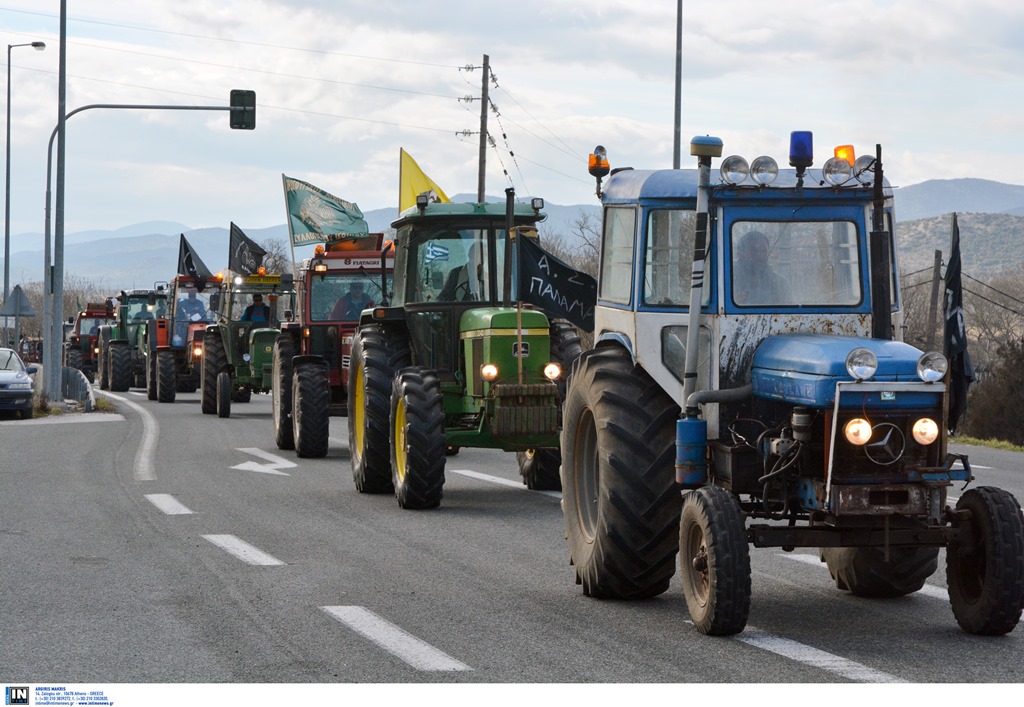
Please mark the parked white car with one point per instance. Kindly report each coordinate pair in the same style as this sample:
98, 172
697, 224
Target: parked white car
16, 387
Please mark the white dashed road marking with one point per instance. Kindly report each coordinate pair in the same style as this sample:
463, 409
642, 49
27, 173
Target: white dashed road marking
849, 669
928, 589
503, 482
394, 640
242, 550
168, 504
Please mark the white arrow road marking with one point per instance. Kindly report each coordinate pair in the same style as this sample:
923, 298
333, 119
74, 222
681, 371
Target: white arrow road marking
168, 504
145, 468
273, 467
394, 640
503, 482
928, 589
242, 550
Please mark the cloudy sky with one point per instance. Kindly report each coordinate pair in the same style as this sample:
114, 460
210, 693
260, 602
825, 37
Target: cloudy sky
342, 85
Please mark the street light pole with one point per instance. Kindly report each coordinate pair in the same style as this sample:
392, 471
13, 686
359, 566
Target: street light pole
39, 46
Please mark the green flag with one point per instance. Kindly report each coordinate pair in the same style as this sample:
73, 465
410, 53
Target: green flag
314, 216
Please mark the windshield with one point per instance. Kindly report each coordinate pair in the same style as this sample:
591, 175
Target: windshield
88, 326
193, 305
139, 308
453, 266
9, 361
341, 296
800, 263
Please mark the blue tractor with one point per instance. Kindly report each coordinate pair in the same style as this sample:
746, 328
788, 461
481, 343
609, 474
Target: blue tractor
786, 413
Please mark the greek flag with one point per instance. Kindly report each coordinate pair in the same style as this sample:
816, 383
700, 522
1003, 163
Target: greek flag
435, 251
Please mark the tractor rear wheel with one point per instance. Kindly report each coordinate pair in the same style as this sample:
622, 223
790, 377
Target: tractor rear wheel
417, 438
714, 561
865, 572
120, 366
214, 361
619, 493
284, 351
311, 400
167, 372
378, 352
223, 394
102, 367
985, 575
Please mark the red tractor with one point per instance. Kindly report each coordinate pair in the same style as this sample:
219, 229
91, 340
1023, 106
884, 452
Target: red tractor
178, 339
81, 349
311, 353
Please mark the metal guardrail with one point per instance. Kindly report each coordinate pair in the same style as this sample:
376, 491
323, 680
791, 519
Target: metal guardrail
75, 386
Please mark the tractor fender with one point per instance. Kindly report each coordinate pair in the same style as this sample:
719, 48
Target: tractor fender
616, 338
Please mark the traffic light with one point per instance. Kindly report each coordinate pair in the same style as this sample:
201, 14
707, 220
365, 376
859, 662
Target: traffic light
243, 109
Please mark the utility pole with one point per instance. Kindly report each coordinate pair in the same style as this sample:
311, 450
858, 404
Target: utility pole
677, 142
933, 305
482, 178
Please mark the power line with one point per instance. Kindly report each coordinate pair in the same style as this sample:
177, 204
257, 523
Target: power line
1001, 306
1011, 297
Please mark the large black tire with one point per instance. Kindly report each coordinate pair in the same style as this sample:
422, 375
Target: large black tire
120, 366
73, 359
102, 366
151, 376
378, 352
214, 361
417, 438
620, 499
242, 395
167, 374
284, 351
985, 575
864, 572
311, 401
714, 561
540, 469
223, 394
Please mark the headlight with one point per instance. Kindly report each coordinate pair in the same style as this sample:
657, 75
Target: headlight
197, 351
864, 169
836, 171
734, 169
764, 170
931, 367
926, 431
552, 371
857, 431
861, 364
488, 371
246, 357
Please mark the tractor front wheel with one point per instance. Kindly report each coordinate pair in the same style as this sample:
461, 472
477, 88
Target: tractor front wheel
417, 438
985, 572
74, 359
167, 372
714, 561
539, 469
151, 376
284, 351
120, 359
214, 361
311, 400
619, 494
223, 394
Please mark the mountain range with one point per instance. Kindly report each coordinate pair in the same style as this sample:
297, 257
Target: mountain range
990, 216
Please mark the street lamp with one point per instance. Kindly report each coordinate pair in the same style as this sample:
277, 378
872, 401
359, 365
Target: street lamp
38, 46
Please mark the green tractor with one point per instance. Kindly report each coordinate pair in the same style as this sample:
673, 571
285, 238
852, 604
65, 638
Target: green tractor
126, 354
238, 349
451, 362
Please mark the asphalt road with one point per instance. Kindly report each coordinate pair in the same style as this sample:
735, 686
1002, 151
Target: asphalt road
161, 545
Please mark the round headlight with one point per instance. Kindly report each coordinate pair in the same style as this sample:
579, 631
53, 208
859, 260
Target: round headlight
926, 431
864, 169
857, 431
734, 169
246, 357
931, 367
764, 170
552, 371
836, 171
488, 371
861, 364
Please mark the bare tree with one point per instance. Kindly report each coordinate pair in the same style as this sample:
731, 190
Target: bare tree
279, 256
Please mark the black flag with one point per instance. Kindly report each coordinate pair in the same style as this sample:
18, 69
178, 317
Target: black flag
961, 373
244, 256
548, 283
190, 264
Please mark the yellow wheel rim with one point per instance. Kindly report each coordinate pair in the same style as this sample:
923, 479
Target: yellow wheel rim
399, 441
358, 414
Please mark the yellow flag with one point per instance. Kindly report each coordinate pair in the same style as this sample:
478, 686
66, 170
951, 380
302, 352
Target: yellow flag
413, 182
